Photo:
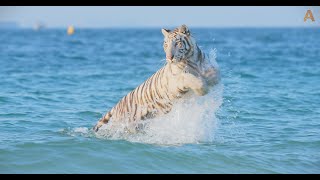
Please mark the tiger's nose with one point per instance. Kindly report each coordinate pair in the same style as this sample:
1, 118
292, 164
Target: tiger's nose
169, 56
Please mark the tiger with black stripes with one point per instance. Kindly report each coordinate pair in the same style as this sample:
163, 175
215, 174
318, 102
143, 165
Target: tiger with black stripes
186, 69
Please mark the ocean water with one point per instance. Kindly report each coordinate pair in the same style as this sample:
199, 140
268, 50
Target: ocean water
264, 116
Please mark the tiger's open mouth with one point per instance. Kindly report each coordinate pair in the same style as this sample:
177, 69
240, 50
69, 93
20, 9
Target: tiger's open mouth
173, 60
169, 60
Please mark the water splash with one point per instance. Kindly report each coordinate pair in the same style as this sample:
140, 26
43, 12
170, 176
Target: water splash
191, 120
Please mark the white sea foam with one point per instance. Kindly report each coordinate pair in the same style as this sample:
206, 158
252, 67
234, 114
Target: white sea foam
191, 120
82, 130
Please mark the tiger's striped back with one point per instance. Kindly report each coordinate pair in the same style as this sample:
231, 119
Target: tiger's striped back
147, 100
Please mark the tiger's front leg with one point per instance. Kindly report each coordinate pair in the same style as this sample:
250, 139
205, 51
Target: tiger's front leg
212, 76
197, 84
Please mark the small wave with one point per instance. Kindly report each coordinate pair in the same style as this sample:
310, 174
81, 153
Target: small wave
248, 75
68, 56
13, 115
4, 99
89, 113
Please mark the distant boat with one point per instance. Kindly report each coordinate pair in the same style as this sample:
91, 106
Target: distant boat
38, 26
70, 30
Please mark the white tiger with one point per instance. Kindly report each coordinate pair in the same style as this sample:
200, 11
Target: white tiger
186, 69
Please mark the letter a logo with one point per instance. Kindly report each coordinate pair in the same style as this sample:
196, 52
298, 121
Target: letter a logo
309, 15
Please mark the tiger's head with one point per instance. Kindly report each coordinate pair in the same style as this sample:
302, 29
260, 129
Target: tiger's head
178, 44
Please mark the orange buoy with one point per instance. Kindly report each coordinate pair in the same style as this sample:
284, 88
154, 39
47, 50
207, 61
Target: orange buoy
70, 30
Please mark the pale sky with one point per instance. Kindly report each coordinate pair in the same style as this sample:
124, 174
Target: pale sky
160, 16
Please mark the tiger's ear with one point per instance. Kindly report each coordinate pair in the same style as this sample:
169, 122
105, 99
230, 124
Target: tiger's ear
184, 29
165, 32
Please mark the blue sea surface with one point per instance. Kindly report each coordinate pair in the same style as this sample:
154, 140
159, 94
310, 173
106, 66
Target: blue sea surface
54, 88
